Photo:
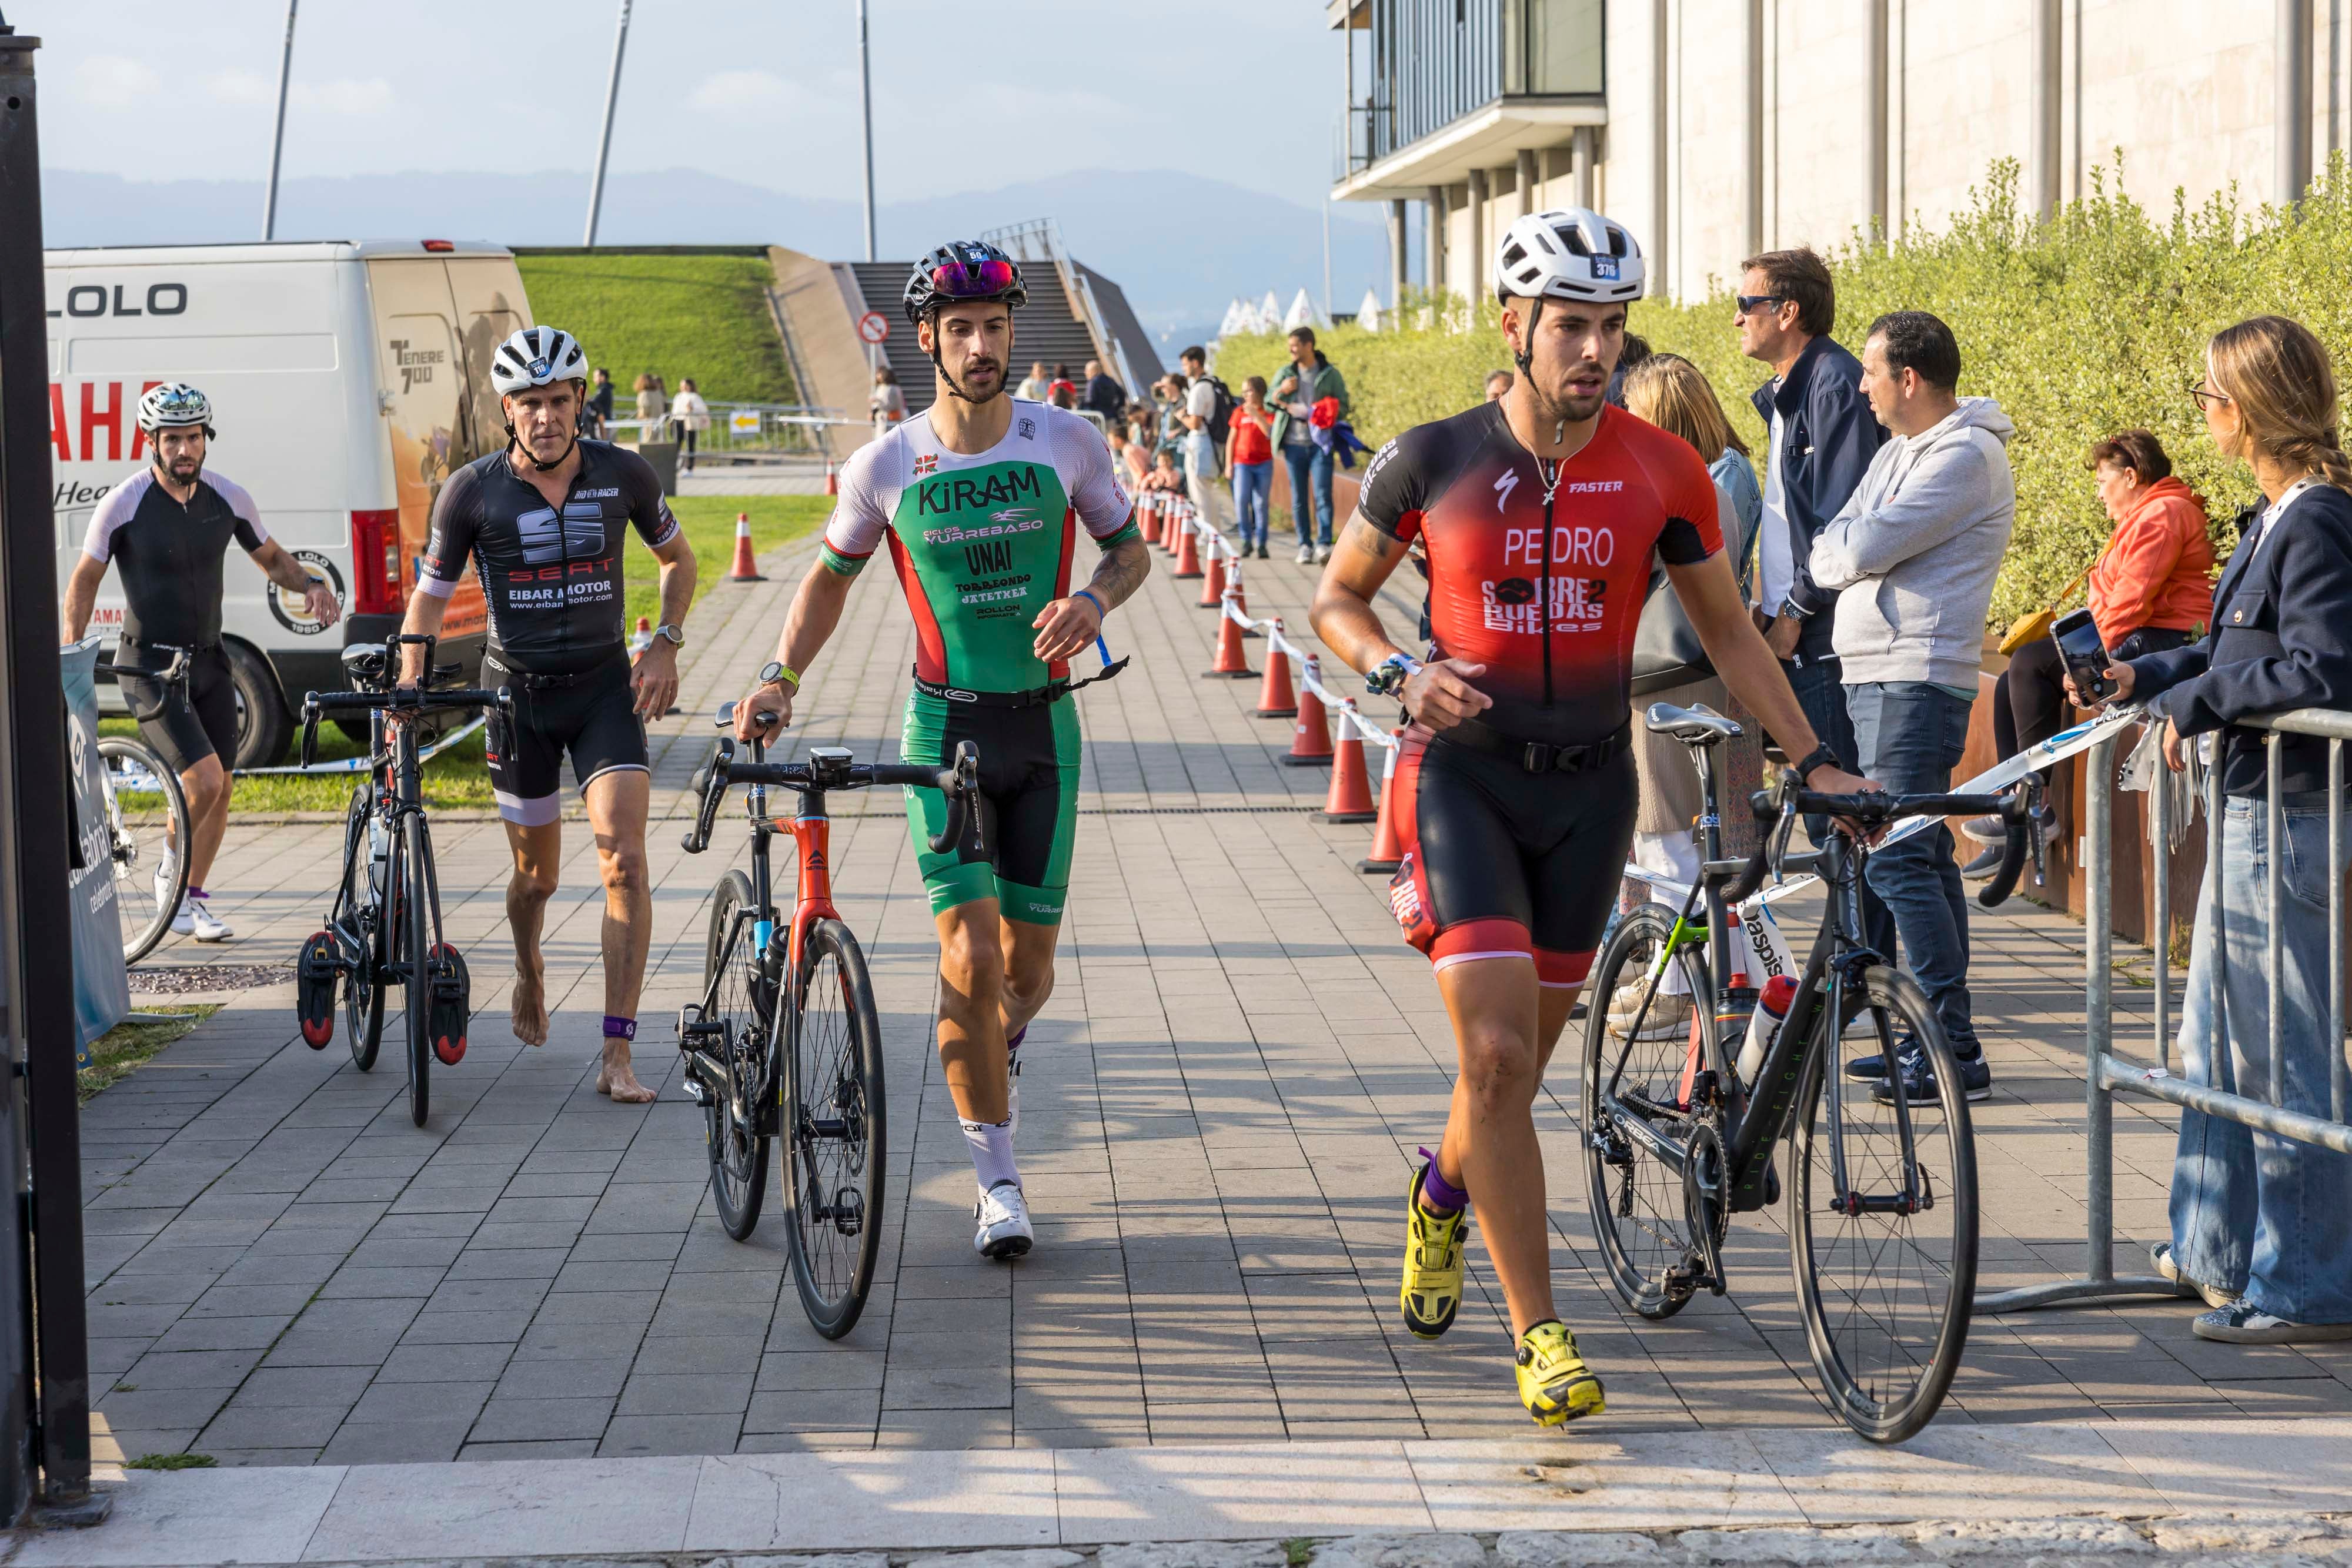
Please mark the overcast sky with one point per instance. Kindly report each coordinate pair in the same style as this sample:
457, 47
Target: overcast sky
762, 90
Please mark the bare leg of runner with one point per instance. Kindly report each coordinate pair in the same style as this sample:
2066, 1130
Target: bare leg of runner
1028, 971
537, 851
617, 802
1504, 1027
973, 1005
207, 786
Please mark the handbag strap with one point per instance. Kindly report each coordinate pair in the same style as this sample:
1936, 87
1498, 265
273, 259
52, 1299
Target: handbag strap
2084, 576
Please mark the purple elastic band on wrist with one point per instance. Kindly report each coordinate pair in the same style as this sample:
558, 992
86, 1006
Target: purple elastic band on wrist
620, 1028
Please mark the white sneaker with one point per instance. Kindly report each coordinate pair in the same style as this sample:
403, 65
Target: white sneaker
1322, 554
203, 922
184, 919
1669, 1011
1306, 554
165, 875
1003, 1218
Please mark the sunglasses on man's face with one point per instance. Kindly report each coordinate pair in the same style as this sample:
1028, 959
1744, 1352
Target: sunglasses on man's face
962, 280
1753, 304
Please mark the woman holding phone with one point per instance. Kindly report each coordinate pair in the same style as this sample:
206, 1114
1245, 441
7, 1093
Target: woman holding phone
2261, 1226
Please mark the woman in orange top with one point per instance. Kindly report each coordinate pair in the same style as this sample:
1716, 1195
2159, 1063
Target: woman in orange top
2150, 588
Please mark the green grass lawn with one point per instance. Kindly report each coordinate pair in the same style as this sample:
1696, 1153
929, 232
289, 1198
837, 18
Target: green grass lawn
699, 315
119, 1051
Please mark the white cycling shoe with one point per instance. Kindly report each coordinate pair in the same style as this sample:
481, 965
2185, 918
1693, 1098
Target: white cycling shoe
203, 923
1002, 1215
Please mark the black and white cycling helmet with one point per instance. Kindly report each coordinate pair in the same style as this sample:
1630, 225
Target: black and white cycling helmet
538, 357
174, 404
1573, 252
960, 272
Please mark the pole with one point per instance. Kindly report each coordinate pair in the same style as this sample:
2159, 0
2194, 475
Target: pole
278, 138
866, 114
40, 1126
605, 142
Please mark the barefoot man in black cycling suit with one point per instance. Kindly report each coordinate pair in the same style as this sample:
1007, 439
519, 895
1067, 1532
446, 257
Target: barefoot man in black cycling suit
1541, 513
541, 522
168, 527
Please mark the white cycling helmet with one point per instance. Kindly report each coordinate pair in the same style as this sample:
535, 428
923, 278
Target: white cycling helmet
173, 404
537, 357
1573, 253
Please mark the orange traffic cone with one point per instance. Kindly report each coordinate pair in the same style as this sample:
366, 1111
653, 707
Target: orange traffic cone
1212, 582
1274, 697
1174, 527
831, 480
1350, 800
1231, 664
744, 570
1388, 851
1310, 733
1187, 554
1147, 517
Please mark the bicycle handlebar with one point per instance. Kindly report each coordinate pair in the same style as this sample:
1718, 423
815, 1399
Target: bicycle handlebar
406, 699
959, 781
174, 671
2019, 809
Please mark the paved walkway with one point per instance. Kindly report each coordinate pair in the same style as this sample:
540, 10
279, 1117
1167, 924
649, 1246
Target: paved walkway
1218, 1107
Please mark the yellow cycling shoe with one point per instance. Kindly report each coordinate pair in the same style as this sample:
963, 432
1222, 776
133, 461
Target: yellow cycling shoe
1554, 1382
1431, 1293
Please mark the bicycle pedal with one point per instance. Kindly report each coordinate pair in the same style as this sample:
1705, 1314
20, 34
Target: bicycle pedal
316, 973
693, 1027
695, 1090
452, 1004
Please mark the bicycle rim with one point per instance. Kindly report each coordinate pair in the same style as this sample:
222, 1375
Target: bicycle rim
738, 1149
834, 1138
416, 922
147, 814
1885, 1295
363, 925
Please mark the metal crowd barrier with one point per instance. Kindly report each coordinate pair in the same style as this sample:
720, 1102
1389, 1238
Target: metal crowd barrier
2105, 1073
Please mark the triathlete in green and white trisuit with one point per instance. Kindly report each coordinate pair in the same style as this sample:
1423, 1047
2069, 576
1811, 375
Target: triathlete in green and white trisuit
981, 500
982, 544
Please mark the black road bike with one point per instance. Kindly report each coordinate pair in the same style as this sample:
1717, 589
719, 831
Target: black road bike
1882, 1195
385, 927
785, 1042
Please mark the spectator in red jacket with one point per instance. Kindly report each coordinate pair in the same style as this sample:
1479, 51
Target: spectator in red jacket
2150, 588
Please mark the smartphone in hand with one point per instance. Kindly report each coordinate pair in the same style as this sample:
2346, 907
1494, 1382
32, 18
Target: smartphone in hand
2084, 654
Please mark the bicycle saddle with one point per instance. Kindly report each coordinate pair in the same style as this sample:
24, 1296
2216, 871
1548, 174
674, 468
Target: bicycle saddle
1690, 726
366, 661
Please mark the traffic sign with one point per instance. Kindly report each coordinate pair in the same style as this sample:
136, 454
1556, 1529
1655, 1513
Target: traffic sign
873, 328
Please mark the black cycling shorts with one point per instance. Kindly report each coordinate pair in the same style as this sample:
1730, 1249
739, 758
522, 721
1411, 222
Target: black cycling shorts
184, 727
1500, 863
593, 717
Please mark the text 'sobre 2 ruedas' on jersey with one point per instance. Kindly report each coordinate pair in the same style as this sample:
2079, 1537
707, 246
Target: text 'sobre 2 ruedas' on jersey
982, 542
551, 575
1500, 555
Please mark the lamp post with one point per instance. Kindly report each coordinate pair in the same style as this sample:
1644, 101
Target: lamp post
278, 138
605, 142
866, 112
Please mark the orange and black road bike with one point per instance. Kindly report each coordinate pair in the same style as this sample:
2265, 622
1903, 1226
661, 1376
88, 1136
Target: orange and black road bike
784, 1042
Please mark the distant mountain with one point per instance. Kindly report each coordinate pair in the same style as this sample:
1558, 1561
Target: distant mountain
1181, 246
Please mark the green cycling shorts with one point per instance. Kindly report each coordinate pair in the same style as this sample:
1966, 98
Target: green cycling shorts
1016, 849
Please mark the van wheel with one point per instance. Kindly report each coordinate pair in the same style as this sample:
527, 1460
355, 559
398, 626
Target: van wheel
264, 727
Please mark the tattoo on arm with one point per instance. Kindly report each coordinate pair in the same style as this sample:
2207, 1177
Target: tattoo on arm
1369, 540
1121, 571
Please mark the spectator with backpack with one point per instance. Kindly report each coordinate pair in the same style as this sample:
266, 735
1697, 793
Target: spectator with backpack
1208, 415
1308, 380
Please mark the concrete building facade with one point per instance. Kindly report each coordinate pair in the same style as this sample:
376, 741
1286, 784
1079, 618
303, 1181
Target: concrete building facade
1714, 128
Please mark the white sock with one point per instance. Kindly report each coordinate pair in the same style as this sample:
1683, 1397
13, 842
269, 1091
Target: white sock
991, 1152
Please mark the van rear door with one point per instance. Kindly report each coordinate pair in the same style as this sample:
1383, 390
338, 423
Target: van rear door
424, 398
490, 309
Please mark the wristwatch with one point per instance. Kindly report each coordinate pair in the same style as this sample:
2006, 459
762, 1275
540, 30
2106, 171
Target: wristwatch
676, 637
1388, 677
1818, 758
775, 672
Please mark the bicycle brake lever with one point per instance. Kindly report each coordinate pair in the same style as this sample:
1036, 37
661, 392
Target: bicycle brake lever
1782, 833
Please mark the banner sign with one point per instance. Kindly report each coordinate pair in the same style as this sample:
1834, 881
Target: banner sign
101, 986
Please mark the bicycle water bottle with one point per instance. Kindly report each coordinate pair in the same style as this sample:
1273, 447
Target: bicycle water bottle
1772, 1011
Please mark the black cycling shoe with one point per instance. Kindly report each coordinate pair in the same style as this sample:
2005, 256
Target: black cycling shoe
1871, 1066
316, 972
452, 1005
1920, 1080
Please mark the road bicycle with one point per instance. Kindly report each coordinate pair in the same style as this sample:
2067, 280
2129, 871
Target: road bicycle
1882, 1195
138, 835
785, 1041
384, 929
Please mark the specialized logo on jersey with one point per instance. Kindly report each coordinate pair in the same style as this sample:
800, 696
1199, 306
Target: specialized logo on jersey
928, 462
962, 493
548, 539
1503, 487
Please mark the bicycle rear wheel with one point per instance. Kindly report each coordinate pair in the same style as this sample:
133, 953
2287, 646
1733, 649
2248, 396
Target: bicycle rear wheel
731, 1105
1639, 1214
363, 916
146, 820
1886, 1292
833, 1130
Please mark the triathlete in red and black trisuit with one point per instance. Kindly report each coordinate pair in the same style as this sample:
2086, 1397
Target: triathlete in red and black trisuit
1515, 825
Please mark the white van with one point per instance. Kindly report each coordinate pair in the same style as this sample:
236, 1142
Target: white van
347, 379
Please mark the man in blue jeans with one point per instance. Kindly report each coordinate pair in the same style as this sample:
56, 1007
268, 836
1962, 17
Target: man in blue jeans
1912, 557
1298, 387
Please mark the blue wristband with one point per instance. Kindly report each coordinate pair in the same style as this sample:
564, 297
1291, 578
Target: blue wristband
1102, 611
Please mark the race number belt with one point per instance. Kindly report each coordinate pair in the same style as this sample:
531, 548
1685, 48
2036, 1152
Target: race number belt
1036, 696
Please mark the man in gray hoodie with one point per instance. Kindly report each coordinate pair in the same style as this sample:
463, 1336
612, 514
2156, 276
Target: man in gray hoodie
1914, 553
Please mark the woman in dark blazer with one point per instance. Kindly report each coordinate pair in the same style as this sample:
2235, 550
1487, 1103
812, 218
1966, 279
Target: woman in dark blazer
2262, 1226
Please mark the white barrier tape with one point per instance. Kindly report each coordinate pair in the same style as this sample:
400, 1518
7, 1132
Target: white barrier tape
360, 764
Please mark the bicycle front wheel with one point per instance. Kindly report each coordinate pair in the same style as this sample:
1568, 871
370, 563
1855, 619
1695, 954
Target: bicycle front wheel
146, 824
731, 1106
1883, 1217
412, 854
363, 916
1638, 1032
833, 1129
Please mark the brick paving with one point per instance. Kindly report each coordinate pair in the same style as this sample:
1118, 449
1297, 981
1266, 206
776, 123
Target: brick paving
1219, 1107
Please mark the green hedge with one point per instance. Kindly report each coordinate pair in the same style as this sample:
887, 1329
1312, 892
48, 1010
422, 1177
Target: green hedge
2092, 322
704, 316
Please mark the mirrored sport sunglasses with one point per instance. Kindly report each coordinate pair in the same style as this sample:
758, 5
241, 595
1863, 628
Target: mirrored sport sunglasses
971, 280
1749, 304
